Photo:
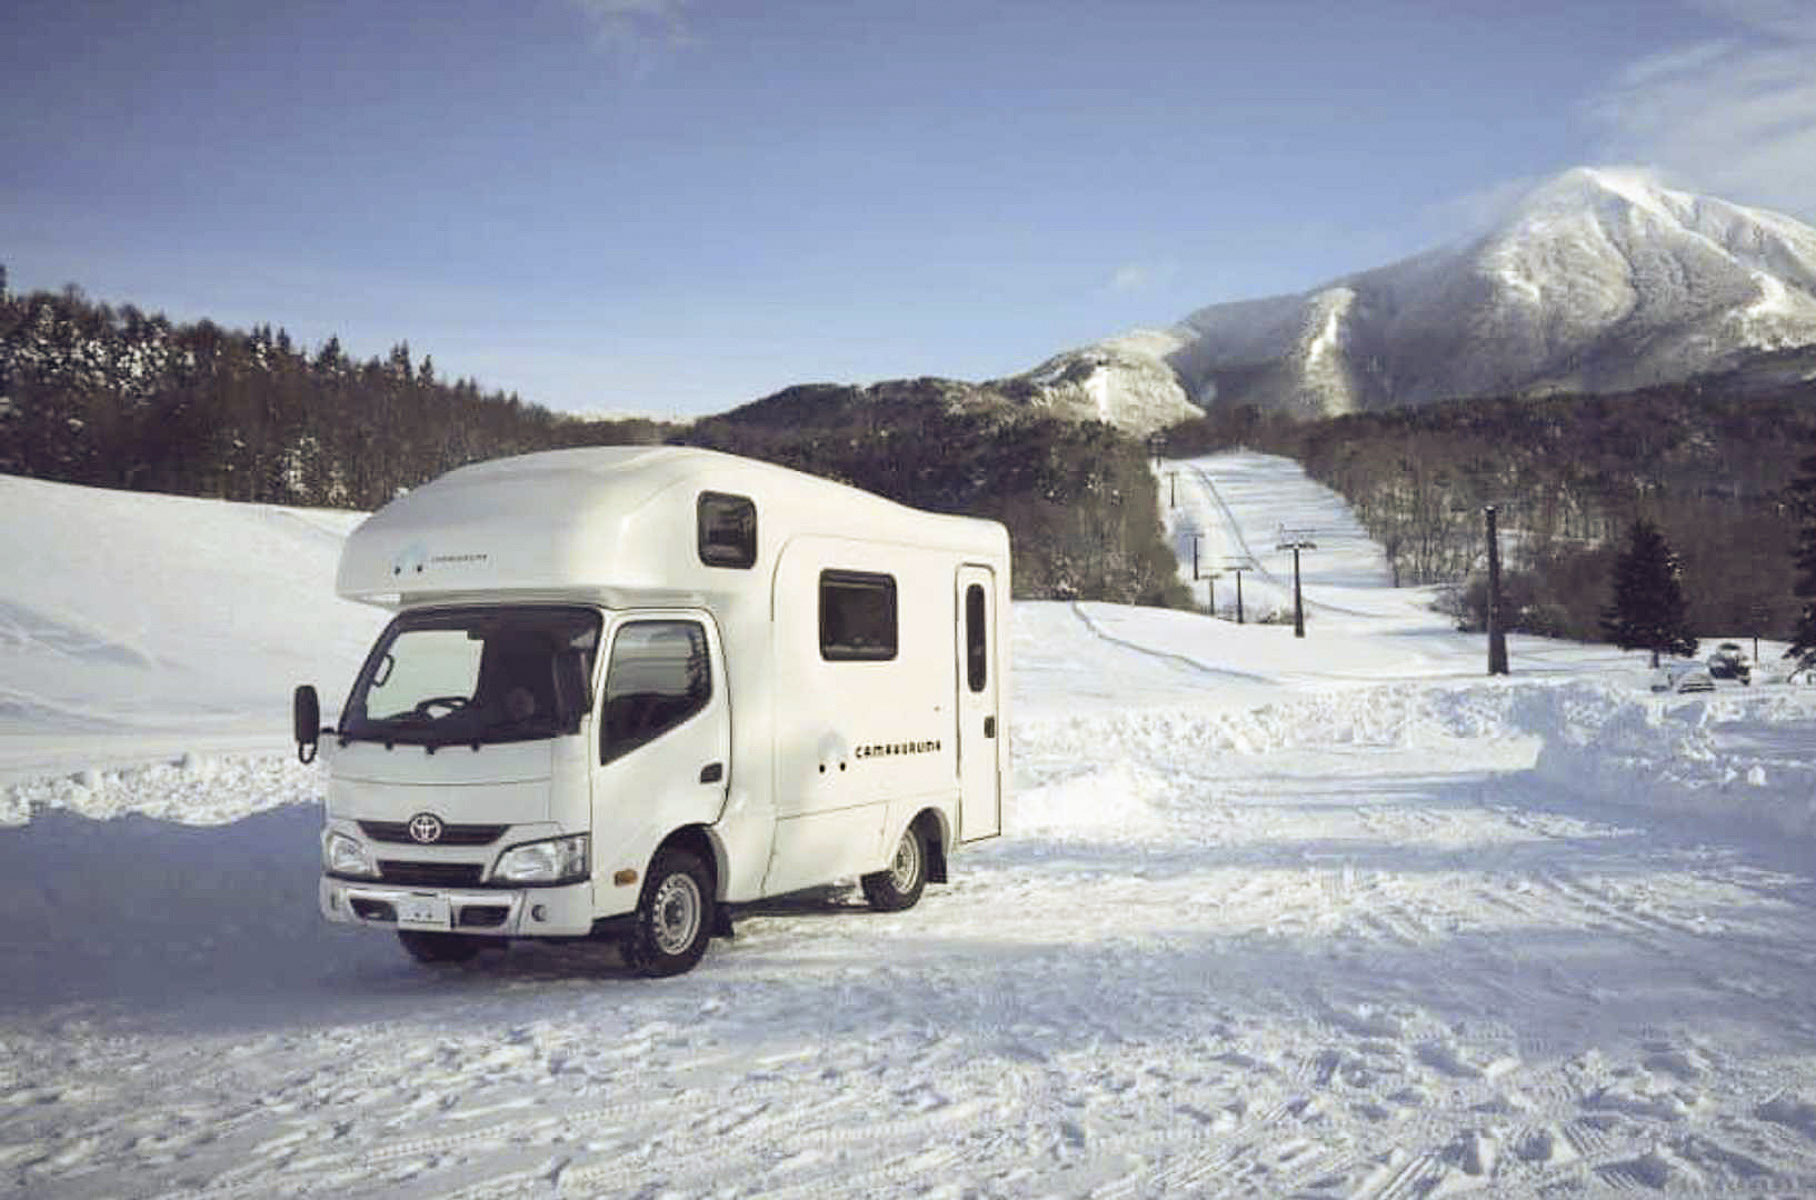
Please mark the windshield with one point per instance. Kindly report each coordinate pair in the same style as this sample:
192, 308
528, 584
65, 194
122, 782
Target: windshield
476, 676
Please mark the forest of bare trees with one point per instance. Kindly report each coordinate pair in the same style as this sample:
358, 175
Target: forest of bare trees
1709, 465
1078, 498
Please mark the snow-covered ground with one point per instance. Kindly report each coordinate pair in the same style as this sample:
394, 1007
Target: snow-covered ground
1330, 917
134, 624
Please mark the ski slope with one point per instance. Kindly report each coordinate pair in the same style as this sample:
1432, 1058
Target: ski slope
1332, 916
136, 626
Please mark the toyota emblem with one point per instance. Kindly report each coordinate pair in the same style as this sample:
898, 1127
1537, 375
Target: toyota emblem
425, 828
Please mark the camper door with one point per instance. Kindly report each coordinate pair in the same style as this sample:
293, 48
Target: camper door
979, 737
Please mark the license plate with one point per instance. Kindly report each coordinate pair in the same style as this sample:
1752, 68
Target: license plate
424, 912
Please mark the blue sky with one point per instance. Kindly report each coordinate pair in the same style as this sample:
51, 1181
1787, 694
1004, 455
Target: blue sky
676, 206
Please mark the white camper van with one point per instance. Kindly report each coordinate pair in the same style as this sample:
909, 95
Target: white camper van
628, 689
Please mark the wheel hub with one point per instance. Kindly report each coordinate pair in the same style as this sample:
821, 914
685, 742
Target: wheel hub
906, 868
676, 913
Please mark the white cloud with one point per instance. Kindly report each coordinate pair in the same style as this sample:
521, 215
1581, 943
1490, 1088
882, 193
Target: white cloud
637, 29
1735, 116
1478, 211
1672, 63
1139, 277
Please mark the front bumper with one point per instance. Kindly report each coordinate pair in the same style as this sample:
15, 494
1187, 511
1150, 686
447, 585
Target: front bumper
565, 911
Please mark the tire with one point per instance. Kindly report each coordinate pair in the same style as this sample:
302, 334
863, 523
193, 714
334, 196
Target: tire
674, 918
427, 947
901, 885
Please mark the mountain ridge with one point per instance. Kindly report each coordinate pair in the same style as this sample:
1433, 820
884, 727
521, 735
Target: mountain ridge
1599, 280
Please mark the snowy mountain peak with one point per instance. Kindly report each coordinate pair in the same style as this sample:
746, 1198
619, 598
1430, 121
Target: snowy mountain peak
1592, 188
1599, 279
1122, 381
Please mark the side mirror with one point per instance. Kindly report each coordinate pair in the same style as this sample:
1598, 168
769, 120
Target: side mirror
306, 717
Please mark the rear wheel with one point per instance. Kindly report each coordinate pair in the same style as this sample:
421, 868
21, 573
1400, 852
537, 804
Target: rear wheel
429, 947
901, 885
674, 918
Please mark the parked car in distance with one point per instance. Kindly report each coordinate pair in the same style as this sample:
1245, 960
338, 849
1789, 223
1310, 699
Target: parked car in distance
1695, 681
1730, 662
1667, 675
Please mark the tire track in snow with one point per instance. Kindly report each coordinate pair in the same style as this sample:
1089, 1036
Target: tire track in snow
1667, 934
1191, 664
819, 1144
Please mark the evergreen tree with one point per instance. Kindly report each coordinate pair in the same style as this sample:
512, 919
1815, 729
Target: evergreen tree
1649, 612
1802, 497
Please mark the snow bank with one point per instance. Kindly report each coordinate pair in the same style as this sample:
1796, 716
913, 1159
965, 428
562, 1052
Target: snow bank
195, 789
1731, 757
1117, 802
1391, 715
1738, 755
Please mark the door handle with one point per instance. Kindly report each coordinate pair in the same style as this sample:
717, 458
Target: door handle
989, 727
712, 772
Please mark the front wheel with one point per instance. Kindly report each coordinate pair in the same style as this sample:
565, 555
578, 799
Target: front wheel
674, 918
428, 947
901, 885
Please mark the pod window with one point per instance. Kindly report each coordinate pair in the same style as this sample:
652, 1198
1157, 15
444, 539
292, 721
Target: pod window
727, 530
857, 617
977, 647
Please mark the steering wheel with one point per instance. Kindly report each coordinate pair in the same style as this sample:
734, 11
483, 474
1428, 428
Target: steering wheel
452, 703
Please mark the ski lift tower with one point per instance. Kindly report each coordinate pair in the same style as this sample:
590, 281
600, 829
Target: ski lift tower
1209, 577
1236, 566
1296, 540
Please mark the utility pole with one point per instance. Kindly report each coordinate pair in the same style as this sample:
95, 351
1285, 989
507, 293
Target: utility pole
1172, 489
1195, 538
1297, 540
1237, 569
1497, 639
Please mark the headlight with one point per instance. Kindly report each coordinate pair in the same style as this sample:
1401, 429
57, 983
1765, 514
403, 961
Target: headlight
343, 855
559, 860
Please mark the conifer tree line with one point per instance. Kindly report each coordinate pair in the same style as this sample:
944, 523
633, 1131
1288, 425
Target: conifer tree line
112, 397
1712, 467
1803, 505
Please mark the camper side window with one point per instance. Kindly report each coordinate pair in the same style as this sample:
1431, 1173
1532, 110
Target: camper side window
658, 677
727, 530
857, 616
